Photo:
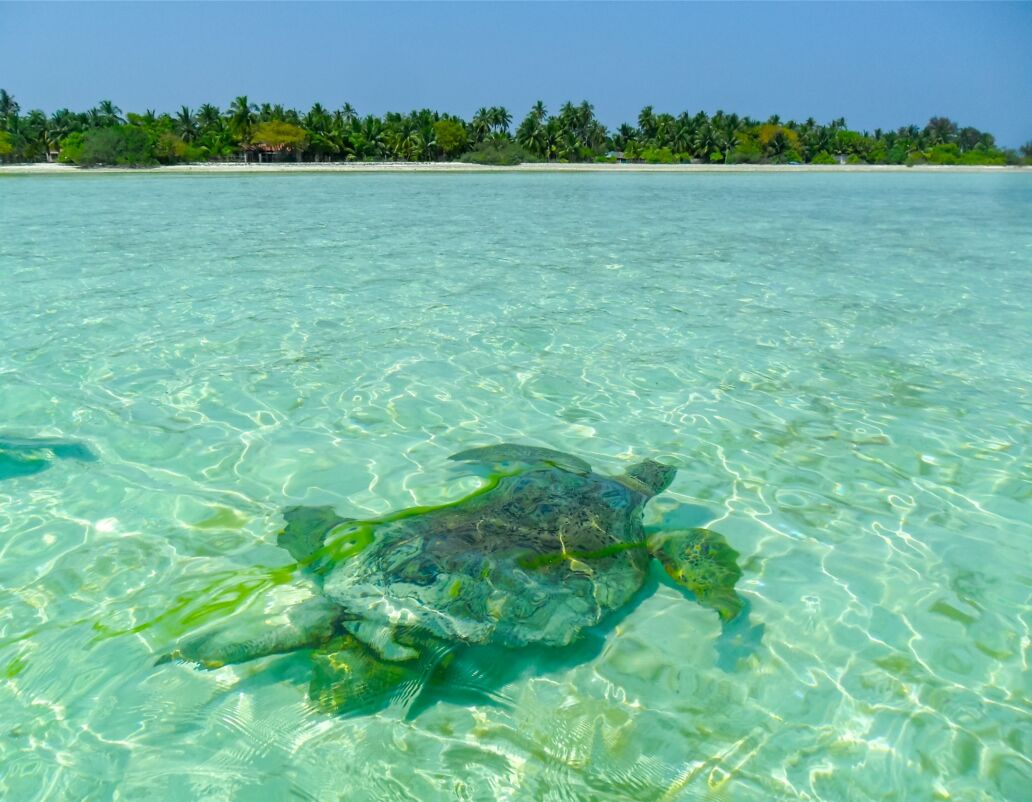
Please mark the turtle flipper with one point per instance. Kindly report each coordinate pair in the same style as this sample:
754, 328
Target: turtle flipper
306, 530
349, 678
308, 624
701, 561
12, 465
507, 453
24, 456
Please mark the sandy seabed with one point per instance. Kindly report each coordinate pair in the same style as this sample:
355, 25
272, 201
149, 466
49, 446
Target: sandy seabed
460, 167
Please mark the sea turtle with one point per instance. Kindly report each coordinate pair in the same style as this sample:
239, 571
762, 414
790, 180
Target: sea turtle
544, 549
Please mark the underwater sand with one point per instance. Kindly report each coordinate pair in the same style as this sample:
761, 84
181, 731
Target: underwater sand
839, 365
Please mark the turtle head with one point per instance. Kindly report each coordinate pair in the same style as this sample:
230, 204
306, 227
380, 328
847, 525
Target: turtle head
653, 477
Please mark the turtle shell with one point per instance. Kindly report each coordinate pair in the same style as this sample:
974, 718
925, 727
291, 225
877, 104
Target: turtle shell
535, 559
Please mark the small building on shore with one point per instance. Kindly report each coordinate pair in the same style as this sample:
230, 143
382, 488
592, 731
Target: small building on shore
263, 152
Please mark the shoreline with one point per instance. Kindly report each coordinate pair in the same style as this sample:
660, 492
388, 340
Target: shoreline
236, 168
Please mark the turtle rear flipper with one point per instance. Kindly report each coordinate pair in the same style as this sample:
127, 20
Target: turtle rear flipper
24, 456
349, 678
306, 530
12, 465
62, 449
508, 453
307, 625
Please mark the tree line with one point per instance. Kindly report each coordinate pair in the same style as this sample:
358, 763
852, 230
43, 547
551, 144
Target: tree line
248, 131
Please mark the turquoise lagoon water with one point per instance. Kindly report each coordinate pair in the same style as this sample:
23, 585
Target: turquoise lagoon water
839, 365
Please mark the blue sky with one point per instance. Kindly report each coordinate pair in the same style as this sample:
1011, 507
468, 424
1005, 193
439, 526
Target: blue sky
876, 64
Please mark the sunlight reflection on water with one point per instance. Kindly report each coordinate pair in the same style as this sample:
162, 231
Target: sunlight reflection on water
836, 363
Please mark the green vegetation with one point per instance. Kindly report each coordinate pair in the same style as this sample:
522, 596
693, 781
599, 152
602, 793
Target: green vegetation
498, 152
246, 131
126, 145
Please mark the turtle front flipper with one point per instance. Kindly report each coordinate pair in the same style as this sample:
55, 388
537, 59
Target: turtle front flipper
307, 625
349, 678
505, 454
306, 530
702, 562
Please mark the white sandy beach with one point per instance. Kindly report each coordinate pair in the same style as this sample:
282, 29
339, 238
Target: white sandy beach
460, 167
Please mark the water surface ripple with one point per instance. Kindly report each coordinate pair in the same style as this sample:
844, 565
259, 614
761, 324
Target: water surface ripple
839, 364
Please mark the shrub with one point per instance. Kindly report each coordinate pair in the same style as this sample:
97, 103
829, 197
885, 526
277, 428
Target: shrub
658, 156
585, 154
499, 153
747, 151
944, 154
170, 149
984, 156
71, 148
6, 147
824, 158
451, 137
122, 145
279, 134
194, 153
898, 153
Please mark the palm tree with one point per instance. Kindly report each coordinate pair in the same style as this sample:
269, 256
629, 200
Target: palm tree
647, 123
624, 135
8, 106
368, 139
500, 119
705, 142
241, 117
665, 126
727, 141
816, 141
532, 134
37, 139
185, 124
111, 114
64, 122
428, 153
348, 114
413, 146
209, 116
940, 130
683, 135
585, 114
481, 124
779, 145
218, 143
319, 124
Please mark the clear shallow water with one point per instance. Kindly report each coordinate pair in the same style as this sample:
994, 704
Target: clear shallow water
838, 364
